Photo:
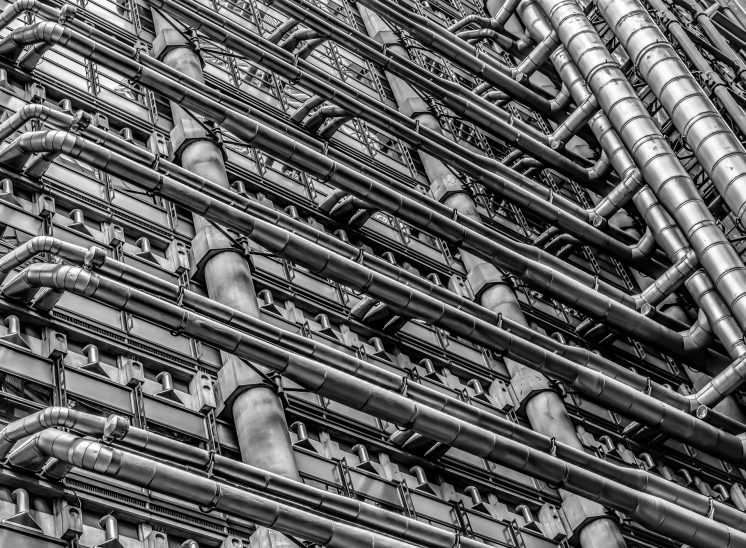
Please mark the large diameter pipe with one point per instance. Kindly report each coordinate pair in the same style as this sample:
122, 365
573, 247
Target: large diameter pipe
147, 473
648, 411
545, 410
258, 415
718, 150
401, 298
653, 154
128, 275
351, 509
679, 523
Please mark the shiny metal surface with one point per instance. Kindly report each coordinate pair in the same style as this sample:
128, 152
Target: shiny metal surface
489, 268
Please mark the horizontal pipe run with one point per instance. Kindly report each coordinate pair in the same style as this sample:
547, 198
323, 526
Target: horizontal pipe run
302, 251
343, 507
128, 275
527, 251
642, 407
220, 29
338, 506
651, 511
493, 175
119, 272
660, 167
139, 155
410, 210
195, 489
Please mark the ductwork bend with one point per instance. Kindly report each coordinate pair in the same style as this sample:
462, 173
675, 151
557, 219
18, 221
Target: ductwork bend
117, 271
660, 167
615, 395
147, 473
650, 511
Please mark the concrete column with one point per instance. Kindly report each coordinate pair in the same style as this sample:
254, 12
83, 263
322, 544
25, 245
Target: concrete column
258, 414
543, 406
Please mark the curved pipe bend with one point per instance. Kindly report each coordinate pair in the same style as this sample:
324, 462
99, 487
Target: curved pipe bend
628, 401
339, 386
603, 308
120, 272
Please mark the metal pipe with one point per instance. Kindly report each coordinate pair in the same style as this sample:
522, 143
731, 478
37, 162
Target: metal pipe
719, 151
362, 370
359, 184
196, 489
667, 234
456, 50
464, 160
574, 122
545, 410
715, 82
242, 222
468, 161
350, 509
497, 22
678, 523
337, 506
668, 282
659, 165
116, 144
615, 395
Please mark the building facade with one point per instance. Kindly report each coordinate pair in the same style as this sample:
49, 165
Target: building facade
372, 273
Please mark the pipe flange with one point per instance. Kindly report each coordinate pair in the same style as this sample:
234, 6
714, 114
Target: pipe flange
170, 39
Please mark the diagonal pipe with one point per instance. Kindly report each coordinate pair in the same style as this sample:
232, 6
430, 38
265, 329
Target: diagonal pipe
117, 271
650, 511
659, 165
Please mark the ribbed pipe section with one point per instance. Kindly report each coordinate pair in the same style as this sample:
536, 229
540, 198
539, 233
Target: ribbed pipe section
717, 148
659, 165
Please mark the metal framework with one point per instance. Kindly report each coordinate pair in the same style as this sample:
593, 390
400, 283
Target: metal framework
372, 273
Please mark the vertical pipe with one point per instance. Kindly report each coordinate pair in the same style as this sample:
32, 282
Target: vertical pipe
544, 408
258, 414
652, 152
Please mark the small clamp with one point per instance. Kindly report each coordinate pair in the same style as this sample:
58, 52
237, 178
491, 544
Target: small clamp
214, 502
182, 326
